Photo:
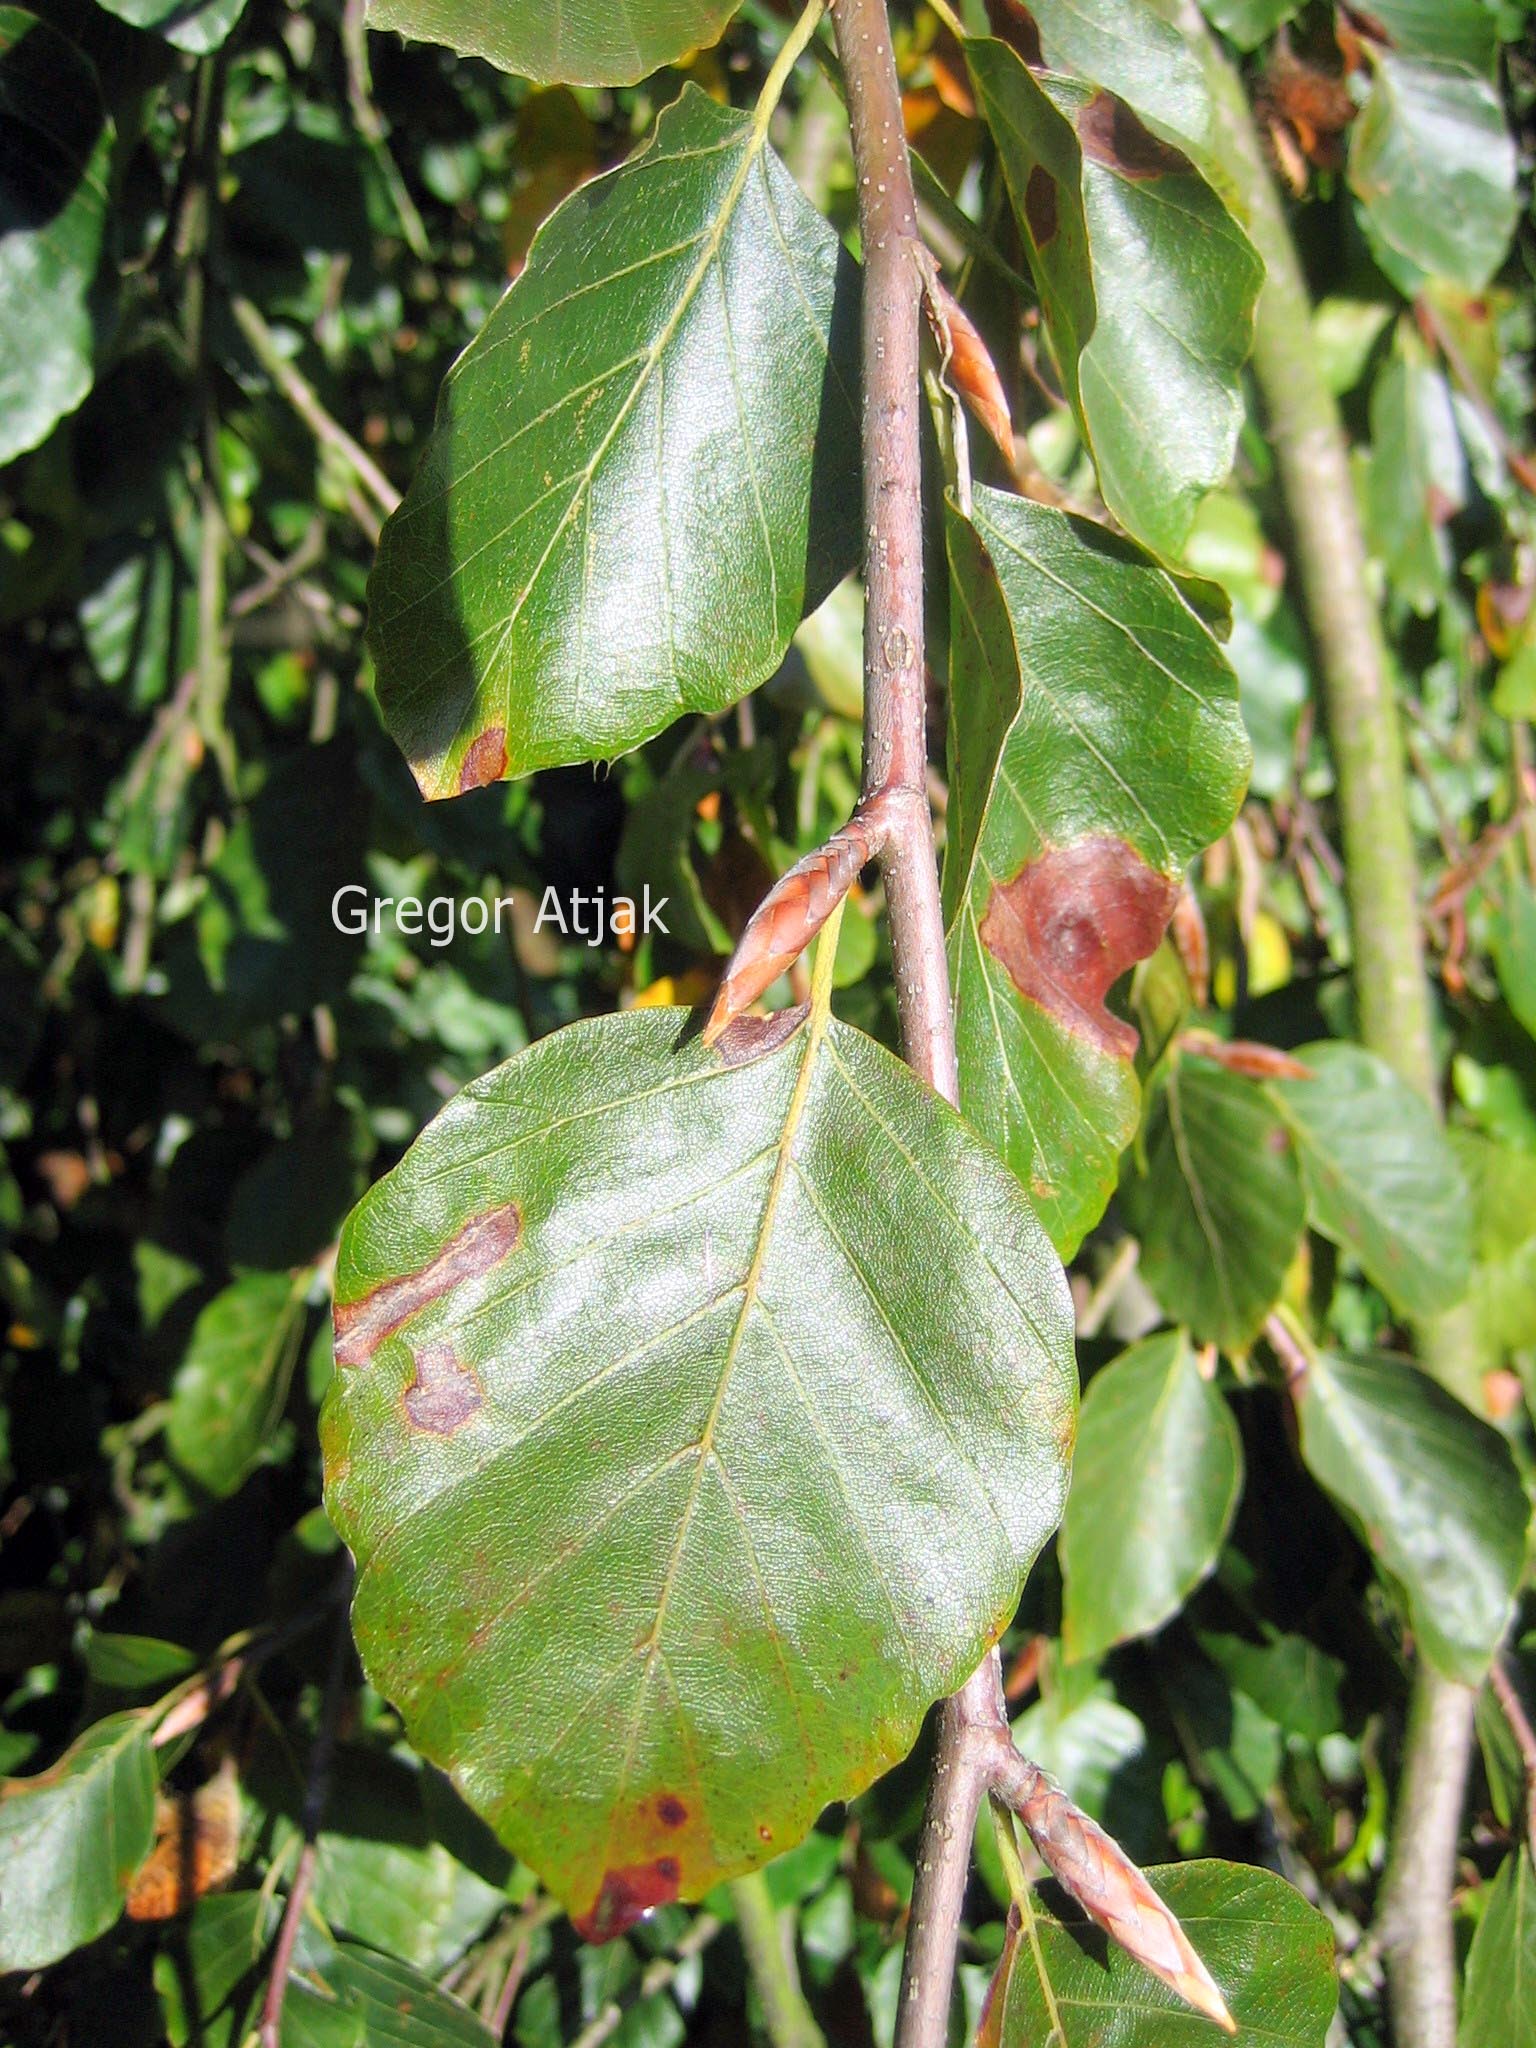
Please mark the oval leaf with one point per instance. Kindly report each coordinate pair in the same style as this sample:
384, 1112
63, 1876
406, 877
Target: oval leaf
1147, 282
584, 42
1380, 1177
694, 1426
1158, 1470
643, 472
1270, 1953
70, 1840
1434, 1492
1095, 746
1219, 1209
1435, 166
230, 1388
53, 211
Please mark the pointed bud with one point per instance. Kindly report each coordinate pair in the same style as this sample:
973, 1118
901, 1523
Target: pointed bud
1098, 1874
793, 912
969, 368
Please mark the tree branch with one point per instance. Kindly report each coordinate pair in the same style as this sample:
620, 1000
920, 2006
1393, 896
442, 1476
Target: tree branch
1391, 989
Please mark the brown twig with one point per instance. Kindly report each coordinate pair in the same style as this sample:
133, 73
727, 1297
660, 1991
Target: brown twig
316, 1792
1508, 1697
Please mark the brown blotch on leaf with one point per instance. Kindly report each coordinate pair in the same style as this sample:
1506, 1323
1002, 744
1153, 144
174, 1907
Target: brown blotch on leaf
1013, 23
362, 1325
626, 1896
444, 1394
1068, 926
670, 1810
1111, 134
486, 760
753, 1038
1040, 205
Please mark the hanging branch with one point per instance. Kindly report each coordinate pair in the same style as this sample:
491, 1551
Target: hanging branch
1391, 988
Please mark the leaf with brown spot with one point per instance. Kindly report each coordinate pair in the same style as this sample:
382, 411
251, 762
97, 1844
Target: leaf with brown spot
774, 1394
1147, 283
1095, 747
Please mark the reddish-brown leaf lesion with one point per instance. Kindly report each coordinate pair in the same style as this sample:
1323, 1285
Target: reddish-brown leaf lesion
485, 759
363, 1324
627, 1895
1070, 923
444, 1393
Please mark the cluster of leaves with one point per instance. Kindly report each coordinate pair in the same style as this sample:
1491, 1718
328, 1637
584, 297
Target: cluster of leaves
637, 1350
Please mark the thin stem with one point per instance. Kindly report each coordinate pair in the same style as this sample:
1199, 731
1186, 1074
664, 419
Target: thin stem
896, 762
768, 1942
1392, 992
301, 395
1508, 1697
895, 732
311, 1813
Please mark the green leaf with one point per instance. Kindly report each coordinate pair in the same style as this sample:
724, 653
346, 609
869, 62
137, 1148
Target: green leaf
1148, 286
198, 26
1270, 1953
1288, 1678
1457, 31
53, 213
232, 1385
1095, 746
1219, 1209
584, 42
382, 1878
643, 472
1249, 22
1433, 1491
1434, 164
70, 1840
225, 1939
1134, 49
1155, 1483
1417, 478
342, 1994
124, 1663
1503, 1183
713, 1414
1514, 950
1380, 1177
1499, 2008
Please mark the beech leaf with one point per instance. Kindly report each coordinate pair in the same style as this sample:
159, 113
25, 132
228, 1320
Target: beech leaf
697, 1416
1095, 746
1147, 282
1380, 1176
1269, 1952
644, 469
70, 1841
1219, 1209
581, 42
53, 215
1433, 1491
1158, 1471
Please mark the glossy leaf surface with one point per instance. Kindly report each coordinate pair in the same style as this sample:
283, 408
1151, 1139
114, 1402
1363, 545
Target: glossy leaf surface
1219, 1209
1134, 49
1380, 1178
1148, 286
1434, 1492
1155, 1482
579, 42
1095, 746
694, 1427
199, 27
1270, 1953
1435, 166
70, 1840
644, 469
53, 209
